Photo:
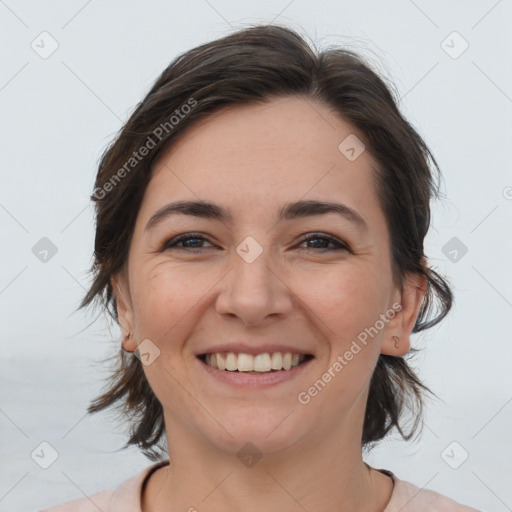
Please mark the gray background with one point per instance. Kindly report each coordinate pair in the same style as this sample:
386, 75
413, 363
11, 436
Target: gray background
58, 114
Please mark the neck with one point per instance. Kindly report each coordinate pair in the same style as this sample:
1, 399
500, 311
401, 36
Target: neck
307, 476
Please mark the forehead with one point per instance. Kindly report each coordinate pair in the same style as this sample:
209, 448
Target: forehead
258, 155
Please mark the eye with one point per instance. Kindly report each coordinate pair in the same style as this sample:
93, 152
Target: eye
196, 239
324, 240
186, 237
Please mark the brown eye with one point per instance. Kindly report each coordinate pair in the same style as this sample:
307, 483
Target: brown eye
322, 242
195, 238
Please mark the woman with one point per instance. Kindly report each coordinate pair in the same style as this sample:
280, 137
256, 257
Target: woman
260, 228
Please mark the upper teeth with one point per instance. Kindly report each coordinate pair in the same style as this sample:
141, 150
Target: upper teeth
248, 363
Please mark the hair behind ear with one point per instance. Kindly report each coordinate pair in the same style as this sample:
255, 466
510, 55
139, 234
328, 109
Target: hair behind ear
129, 391
393, 387
437, 301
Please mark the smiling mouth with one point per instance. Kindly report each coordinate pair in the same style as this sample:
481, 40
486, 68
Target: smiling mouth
258, 364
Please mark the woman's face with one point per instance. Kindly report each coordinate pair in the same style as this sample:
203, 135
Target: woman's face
307, 282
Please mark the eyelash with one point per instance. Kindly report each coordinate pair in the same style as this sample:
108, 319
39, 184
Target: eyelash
172, 243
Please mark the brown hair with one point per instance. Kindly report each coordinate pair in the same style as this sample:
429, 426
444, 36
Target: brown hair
256, 64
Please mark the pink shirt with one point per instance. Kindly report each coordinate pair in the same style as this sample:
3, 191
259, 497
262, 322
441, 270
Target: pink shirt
406, 497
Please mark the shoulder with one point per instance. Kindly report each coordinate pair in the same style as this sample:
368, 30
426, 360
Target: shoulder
125, 498
93, 503
408, 497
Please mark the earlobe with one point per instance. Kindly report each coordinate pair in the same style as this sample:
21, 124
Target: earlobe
124, 313
394, 346
128, 346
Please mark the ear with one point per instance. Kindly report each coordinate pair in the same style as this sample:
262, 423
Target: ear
124, 310
397, 341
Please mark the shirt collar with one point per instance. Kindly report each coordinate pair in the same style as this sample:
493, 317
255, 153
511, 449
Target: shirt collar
128, 496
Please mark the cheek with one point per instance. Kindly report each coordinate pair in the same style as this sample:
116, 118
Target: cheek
346, 300
347, 304
165, 298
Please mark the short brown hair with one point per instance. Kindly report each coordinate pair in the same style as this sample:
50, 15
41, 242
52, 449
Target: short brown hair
253, 65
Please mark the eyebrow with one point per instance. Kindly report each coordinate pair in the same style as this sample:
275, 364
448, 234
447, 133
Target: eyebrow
298, 209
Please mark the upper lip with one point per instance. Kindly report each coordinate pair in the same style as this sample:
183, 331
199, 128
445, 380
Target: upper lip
253, 349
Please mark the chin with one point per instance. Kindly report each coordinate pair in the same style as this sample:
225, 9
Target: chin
268, 431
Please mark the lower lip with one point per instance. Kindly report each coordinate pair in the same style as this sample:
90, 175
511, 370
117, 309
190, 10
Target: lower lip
249, 380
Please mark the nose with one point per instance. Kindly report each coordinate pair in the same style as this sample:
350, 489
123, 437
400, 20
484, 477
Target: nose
253, 291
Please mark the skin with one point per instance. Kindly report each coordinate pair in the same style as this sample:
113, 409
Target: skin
253, 159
